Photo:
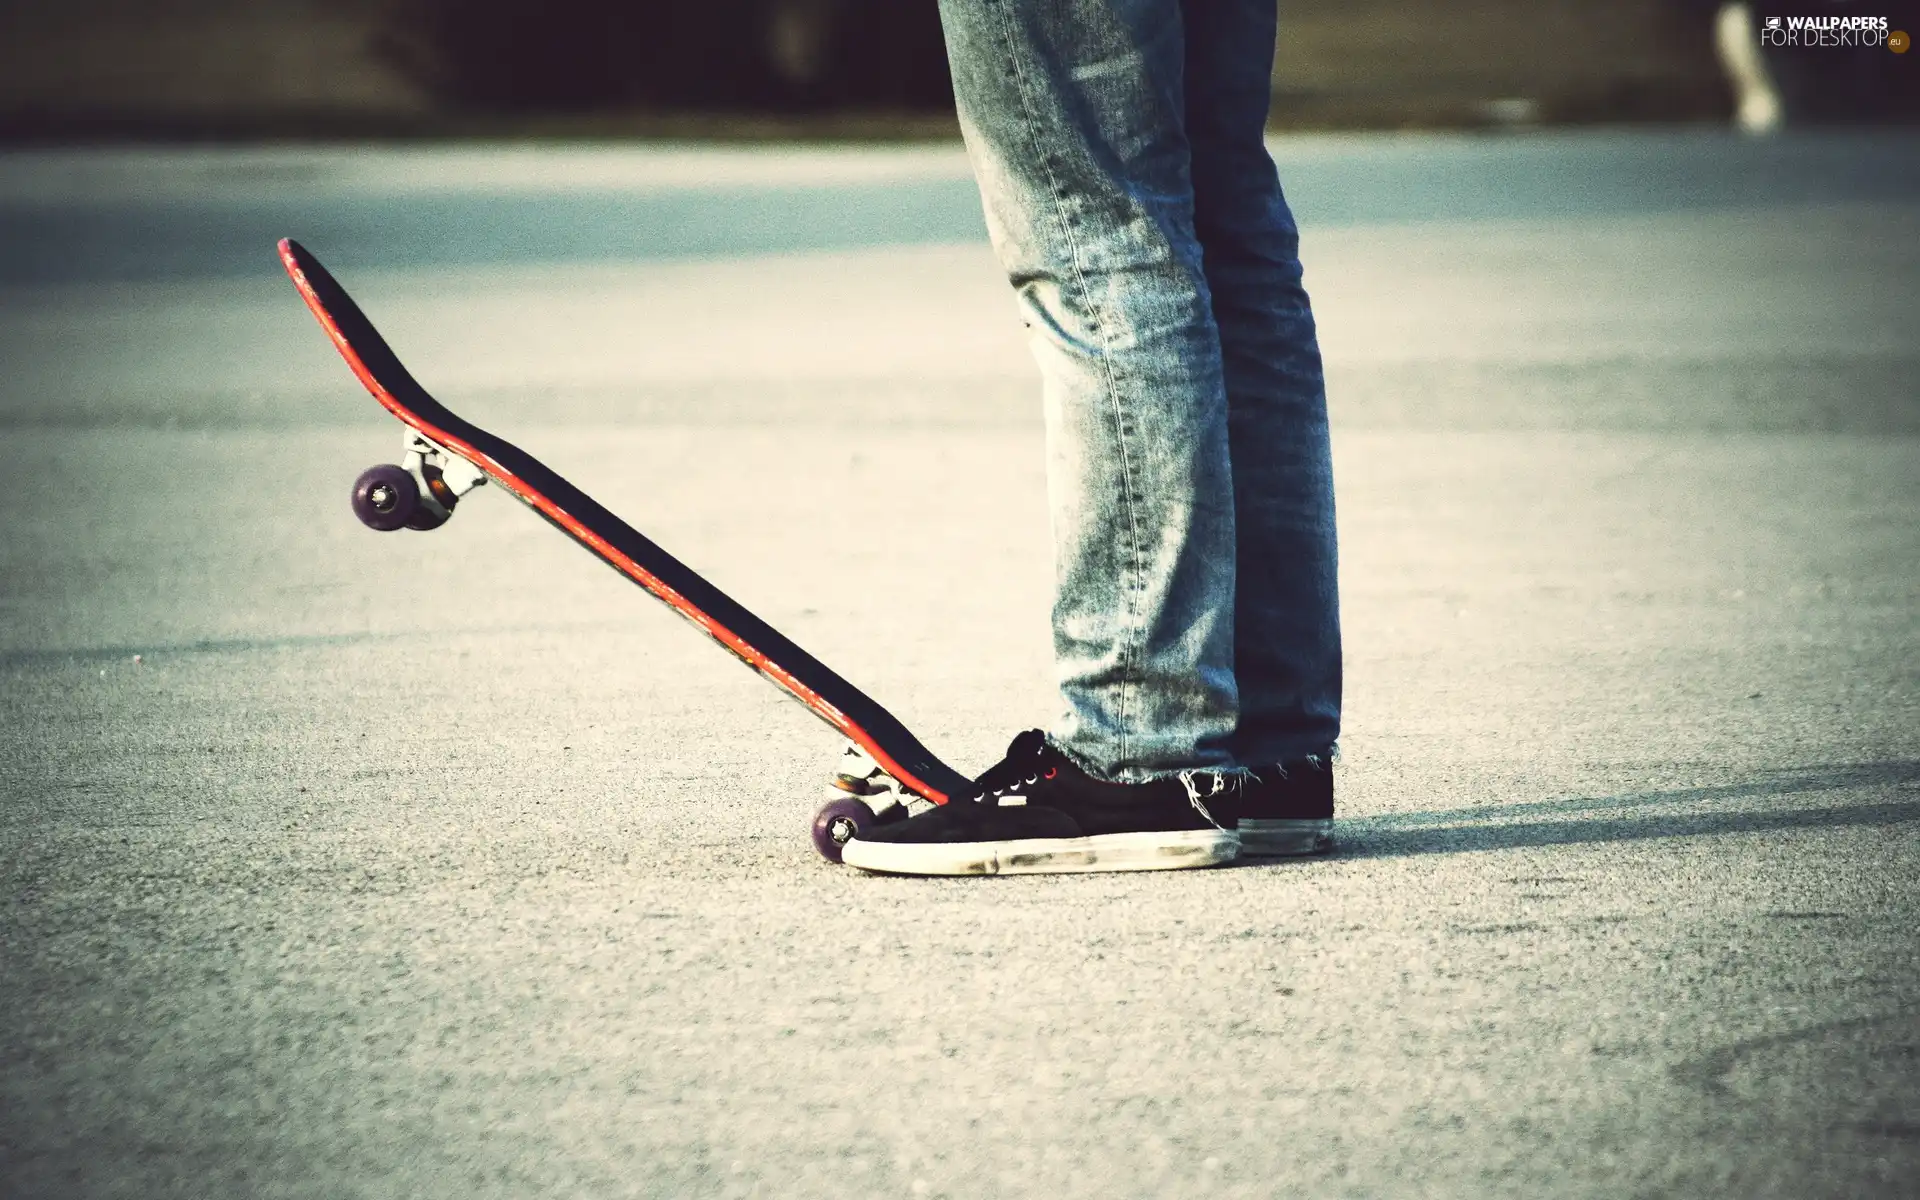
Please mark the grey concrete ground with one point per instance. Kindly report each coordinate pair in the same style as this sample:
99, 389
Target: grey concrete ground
453, 866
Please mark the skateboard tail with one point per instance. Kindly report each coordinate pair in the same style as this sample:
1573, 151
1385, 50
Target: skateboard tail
930, 779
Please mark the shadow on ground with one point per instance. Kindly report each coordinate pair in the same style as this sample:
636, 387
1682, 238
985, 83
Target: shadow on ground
1610, 819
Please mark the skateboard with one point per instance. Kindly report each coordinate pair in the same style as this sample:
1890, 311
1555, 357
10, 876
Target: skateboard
884, 772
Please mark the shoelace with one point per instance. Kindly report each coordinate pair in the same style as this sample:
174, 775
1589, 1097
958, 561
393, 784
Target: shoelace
1025, 764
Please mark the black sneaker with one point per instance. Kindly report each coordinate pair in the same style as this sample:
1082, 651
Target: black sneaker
1036, 813
1286, 809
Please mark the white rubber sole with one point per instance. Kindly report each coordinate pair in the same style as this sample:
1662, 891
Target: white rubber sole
1170, 851
1285, 839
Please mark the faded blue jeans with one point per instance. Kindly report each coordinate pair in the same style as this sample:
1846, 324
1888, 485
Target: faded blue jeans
1119, 147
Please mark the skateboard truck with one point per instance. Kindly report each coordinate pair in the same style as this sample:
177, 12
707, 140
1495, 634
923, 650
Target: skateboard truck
420, 493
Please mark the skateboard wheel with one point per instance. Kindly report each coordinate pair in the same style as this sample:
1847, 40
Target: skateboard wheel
424, 518
385, 497
839, 822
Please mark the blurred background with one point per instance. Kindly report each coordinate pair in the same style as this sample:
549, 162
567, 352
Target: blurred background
110, 68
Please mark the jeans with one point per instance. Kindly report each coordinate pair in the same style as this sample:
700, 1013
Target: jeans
1119, 147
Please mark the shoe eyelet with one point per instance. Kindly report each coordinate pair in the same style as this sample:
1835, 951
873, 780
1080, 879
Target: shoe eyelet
1052, 771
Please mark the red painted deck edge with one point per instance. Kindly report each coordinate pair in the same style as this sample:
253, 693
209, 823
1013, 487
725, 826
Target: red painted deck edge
639, 574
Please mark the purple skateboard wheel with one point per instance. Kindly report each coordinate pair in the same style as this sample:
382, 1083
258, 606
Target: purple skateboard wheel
839, 822
385, 497
427, 516
424, 518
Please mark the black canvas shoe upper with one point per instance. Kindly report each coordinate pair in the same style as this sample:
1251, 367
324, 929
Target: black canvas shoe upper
1037, 792
1299, 790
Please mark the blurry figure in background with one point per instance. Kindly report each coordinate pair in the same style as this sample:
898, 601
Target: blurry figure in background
1757, 108
1120, 151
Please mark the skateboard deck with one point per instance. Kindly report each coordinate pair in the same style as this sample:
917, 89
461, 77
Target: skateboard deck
423, 491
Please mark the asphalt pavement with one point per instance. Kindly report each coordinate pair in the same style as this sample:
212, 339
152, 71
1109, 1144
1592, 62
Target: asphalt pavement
338, 864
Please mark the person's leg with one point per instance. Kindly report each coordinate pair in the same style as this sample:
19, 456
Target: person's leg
1287, 624
1072, 111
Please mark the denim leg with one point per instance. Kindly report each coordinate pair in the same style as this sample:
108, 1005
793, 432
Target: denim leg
1073, 117
1287, 617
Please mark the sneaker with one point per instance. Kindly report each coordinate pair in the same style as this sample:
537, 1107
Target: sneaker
1286, 809
1036, 813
